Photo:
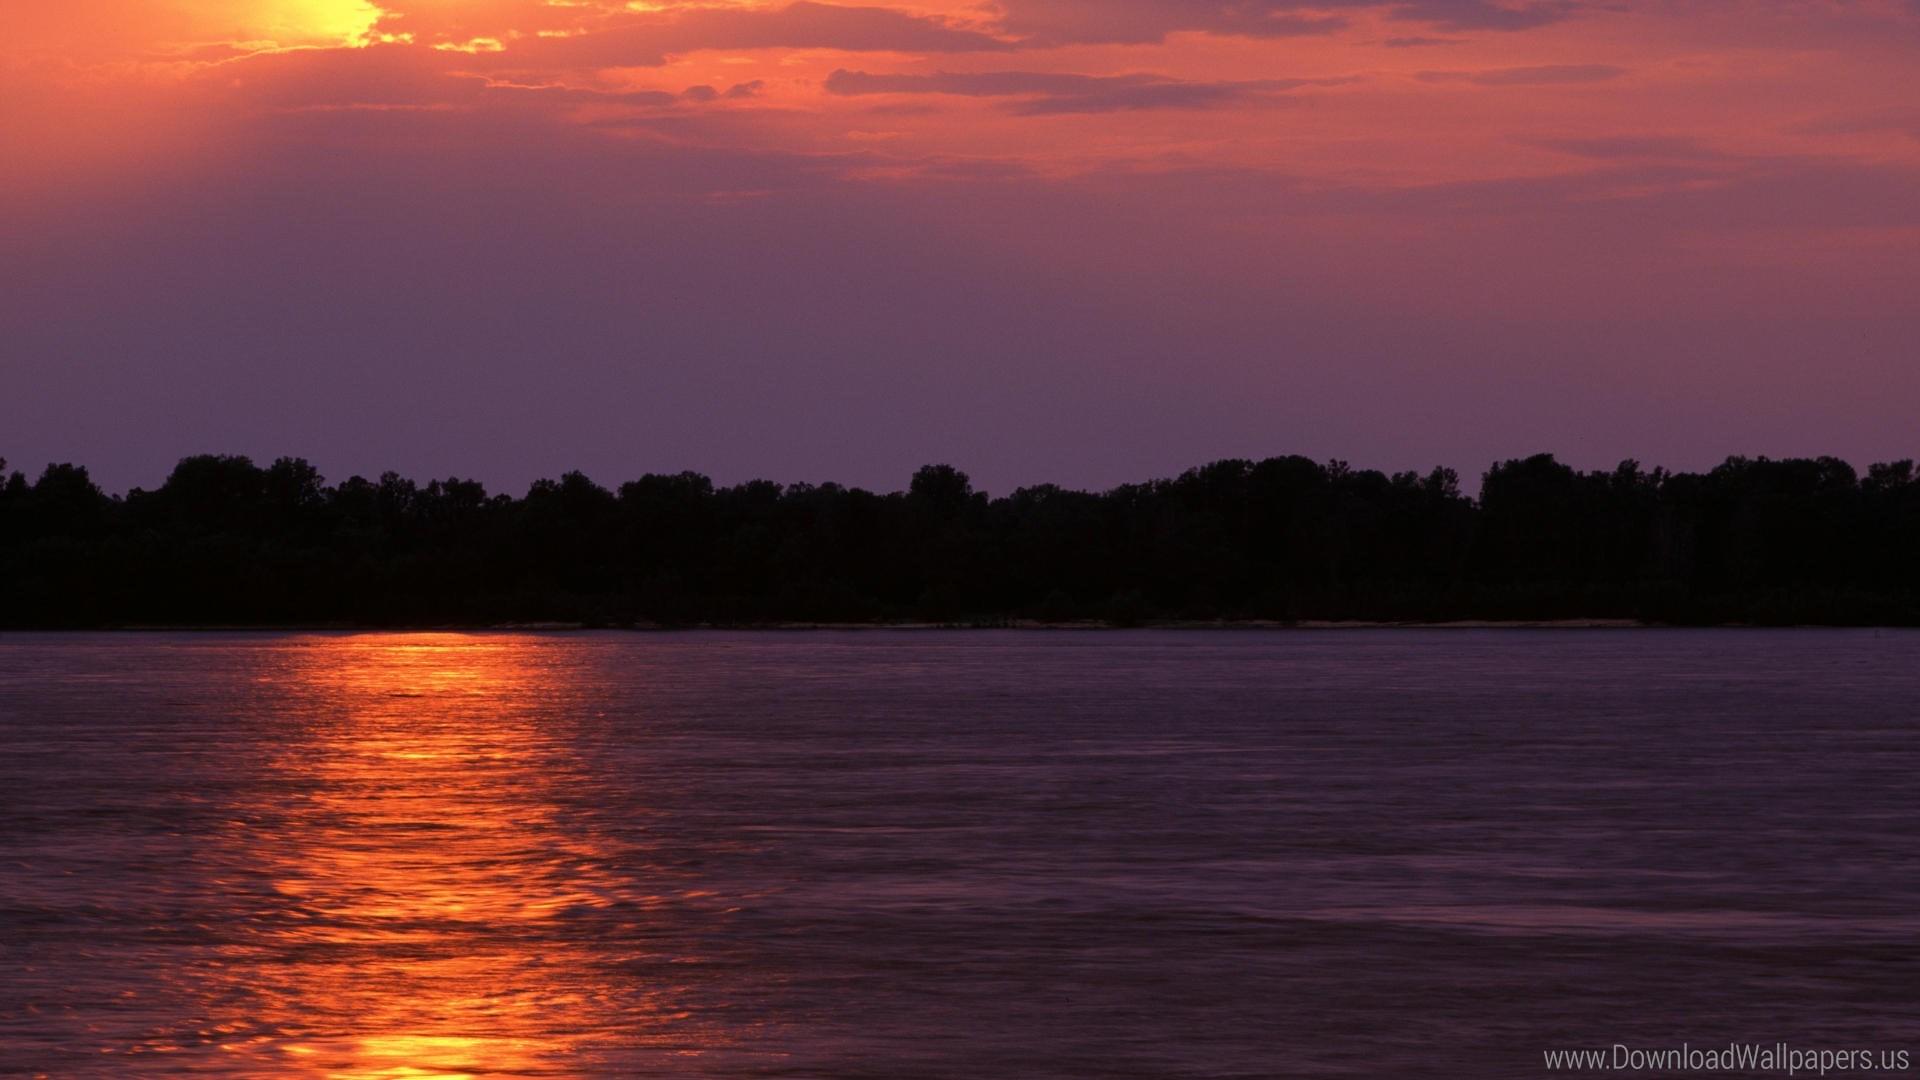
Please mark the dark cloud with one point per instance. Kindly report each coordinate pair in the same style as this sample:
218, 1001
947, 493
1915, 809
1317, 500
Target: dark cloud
736, 92
1487, 15
808, 25
1053, 22
1420, 42
1543, 75
601, 27
1049, 93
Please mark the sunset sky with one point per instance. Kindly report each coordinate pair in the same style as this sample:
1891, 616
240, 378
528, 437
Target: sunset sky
1074, 240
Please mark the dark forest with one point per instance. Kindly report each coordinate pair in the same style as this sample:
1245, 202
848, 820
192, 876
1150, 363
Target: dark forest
224, 542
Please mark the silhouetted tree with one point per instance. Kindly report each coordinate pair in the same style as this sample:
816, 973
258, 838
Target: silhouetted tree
224, 541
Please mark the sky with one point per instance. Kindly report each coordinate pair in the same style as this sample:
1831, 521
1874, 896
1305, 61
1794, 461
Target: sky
1074, 241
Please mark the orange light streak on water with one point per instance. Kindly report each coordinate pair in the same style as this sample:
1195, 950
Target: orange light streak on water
424, 883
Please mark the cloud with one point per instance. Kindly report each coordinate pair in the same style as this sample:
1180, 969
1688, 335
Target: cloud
458, 21
1487, 15
581, 95
1050, 93
974, 170
808, 25
1898, 118
648, 40
735, 92
1543, 75
1420, 42
1645, 147
399, 77
1058, 22
380, 75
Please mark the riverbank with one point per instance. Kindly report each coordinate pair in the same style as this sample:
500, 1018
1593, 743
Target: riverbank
978, 626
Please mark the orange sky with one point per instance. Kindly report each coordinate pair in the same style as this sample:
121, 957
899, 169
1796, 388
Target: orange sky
1546, 163
1343, 93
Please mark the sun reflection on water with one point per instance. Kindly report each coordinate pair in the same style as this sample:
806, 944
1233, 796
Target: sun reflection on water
427, 881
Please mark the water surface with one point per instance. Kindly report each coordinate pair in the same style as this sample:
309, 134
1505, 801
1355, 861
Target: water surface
966, 855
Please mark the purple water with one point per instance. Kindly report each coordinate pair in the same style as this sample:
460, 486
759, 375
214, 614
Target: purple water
978, 855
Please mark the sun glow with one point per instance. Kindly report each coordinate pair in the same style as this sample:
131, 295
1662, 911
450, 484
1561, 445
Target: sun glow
314, 22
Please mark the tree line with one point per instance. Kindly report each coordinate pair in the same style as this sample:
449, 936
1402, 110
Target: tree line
227, 542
